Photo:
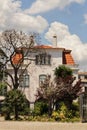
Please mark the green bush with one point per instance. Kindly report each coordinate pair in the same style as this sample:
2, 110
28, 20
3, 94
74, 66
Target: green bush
3, 89
64, 114
14, 104
40, 108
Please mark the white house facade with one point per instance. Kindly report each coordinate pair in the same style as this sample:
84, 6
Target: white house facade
43, 62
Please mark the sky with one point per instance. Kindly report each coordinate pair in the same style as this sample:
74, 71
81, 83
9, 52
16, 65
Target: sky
67, 19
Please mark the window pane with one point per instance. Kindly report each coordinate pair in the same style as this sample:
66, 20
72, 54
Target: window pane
42, 78
24, 81
43, 59
49, 59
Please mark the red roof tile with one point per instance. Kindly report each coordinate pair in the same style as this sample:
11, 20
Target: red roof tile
48, 47
67, 58
16, 58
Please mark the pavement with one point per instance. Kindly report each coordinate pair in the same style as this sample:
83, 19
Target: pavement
26, 125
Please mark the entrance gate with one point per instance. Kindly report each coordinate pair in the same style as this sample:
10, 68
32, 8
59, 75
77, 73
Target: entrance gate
83, 107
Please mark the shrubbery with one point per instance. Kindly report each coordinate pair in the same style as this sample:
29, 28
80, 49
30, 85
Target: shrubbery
63, 114
40, 108
15, 104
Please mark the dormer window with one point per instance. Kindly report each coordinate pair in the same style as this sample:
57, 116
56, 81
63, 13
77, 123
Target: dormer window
43, 59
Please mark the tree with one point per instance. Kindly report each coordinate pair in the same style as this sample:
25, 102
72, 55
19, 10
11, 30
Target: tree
15, 102
60, 88
71, 88
16, 45
47, 91
2, 56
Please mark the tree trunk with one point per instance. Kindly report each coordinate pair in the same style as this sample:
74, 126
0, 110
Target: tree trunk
49, 108
16, 112
16, 78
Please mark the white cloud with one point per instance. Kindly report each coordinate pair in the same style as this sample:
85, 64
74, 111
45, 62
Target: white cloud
12, 16
69, 41
45, 5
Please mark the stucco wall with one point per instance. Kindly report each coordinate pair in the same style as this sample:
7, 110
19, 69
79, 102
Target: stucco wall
35, 71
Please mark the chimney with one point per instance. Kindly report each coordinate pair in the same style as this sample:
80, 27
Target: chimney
55, 40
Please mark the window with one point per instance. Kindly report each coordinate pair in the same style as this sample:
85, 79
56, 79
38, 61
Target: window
85, 76
85, 89
43, 59
24, 81
42, 78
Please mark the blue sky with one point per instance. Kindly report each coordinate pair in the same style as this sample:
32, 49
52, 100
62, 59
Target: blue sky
72, 15
65, 18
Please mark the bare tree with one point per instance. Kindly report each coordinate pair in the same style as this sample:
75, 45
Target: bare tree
16, 45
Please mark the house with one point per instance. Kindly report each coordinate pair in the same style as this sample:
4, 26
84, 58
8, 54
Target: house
83, 77
43, 63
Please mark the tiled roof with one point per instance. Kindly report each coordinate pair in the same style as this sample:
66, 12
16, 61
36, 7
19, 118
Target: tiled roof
67, 58
16, 58
48, 47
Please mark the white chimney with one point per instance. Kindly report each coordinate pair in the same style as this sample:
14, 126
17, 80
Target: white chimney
55, 40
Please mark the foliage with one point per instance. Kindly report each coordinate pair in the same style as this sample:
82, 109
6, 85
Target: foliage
65, 114
3, 89
62, 71
15, 102
40, 108
62, 88
1, 75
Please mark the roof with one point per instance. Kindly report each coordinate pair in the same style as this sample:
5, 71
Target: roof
67, 58
17, 58
48, 47
82, 73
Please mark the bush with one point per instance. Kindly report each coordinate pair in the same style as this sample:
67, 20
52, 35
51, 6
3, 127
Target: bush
64, 114
15, 104
40, 108
3, 89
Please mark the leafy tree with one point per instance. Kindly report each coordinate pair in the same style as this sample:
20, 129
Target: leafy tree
62, 88
71, 88
2, 56
15, 102
63, 71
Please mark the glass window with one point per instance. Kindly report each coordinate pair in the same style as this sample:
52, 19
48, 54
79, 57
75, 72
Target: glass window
85, 76
42, 78
43, 59
24, 81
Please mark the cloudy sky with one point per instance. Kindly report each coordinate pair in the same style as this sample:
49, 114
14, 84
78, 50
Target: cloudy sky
65, 18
